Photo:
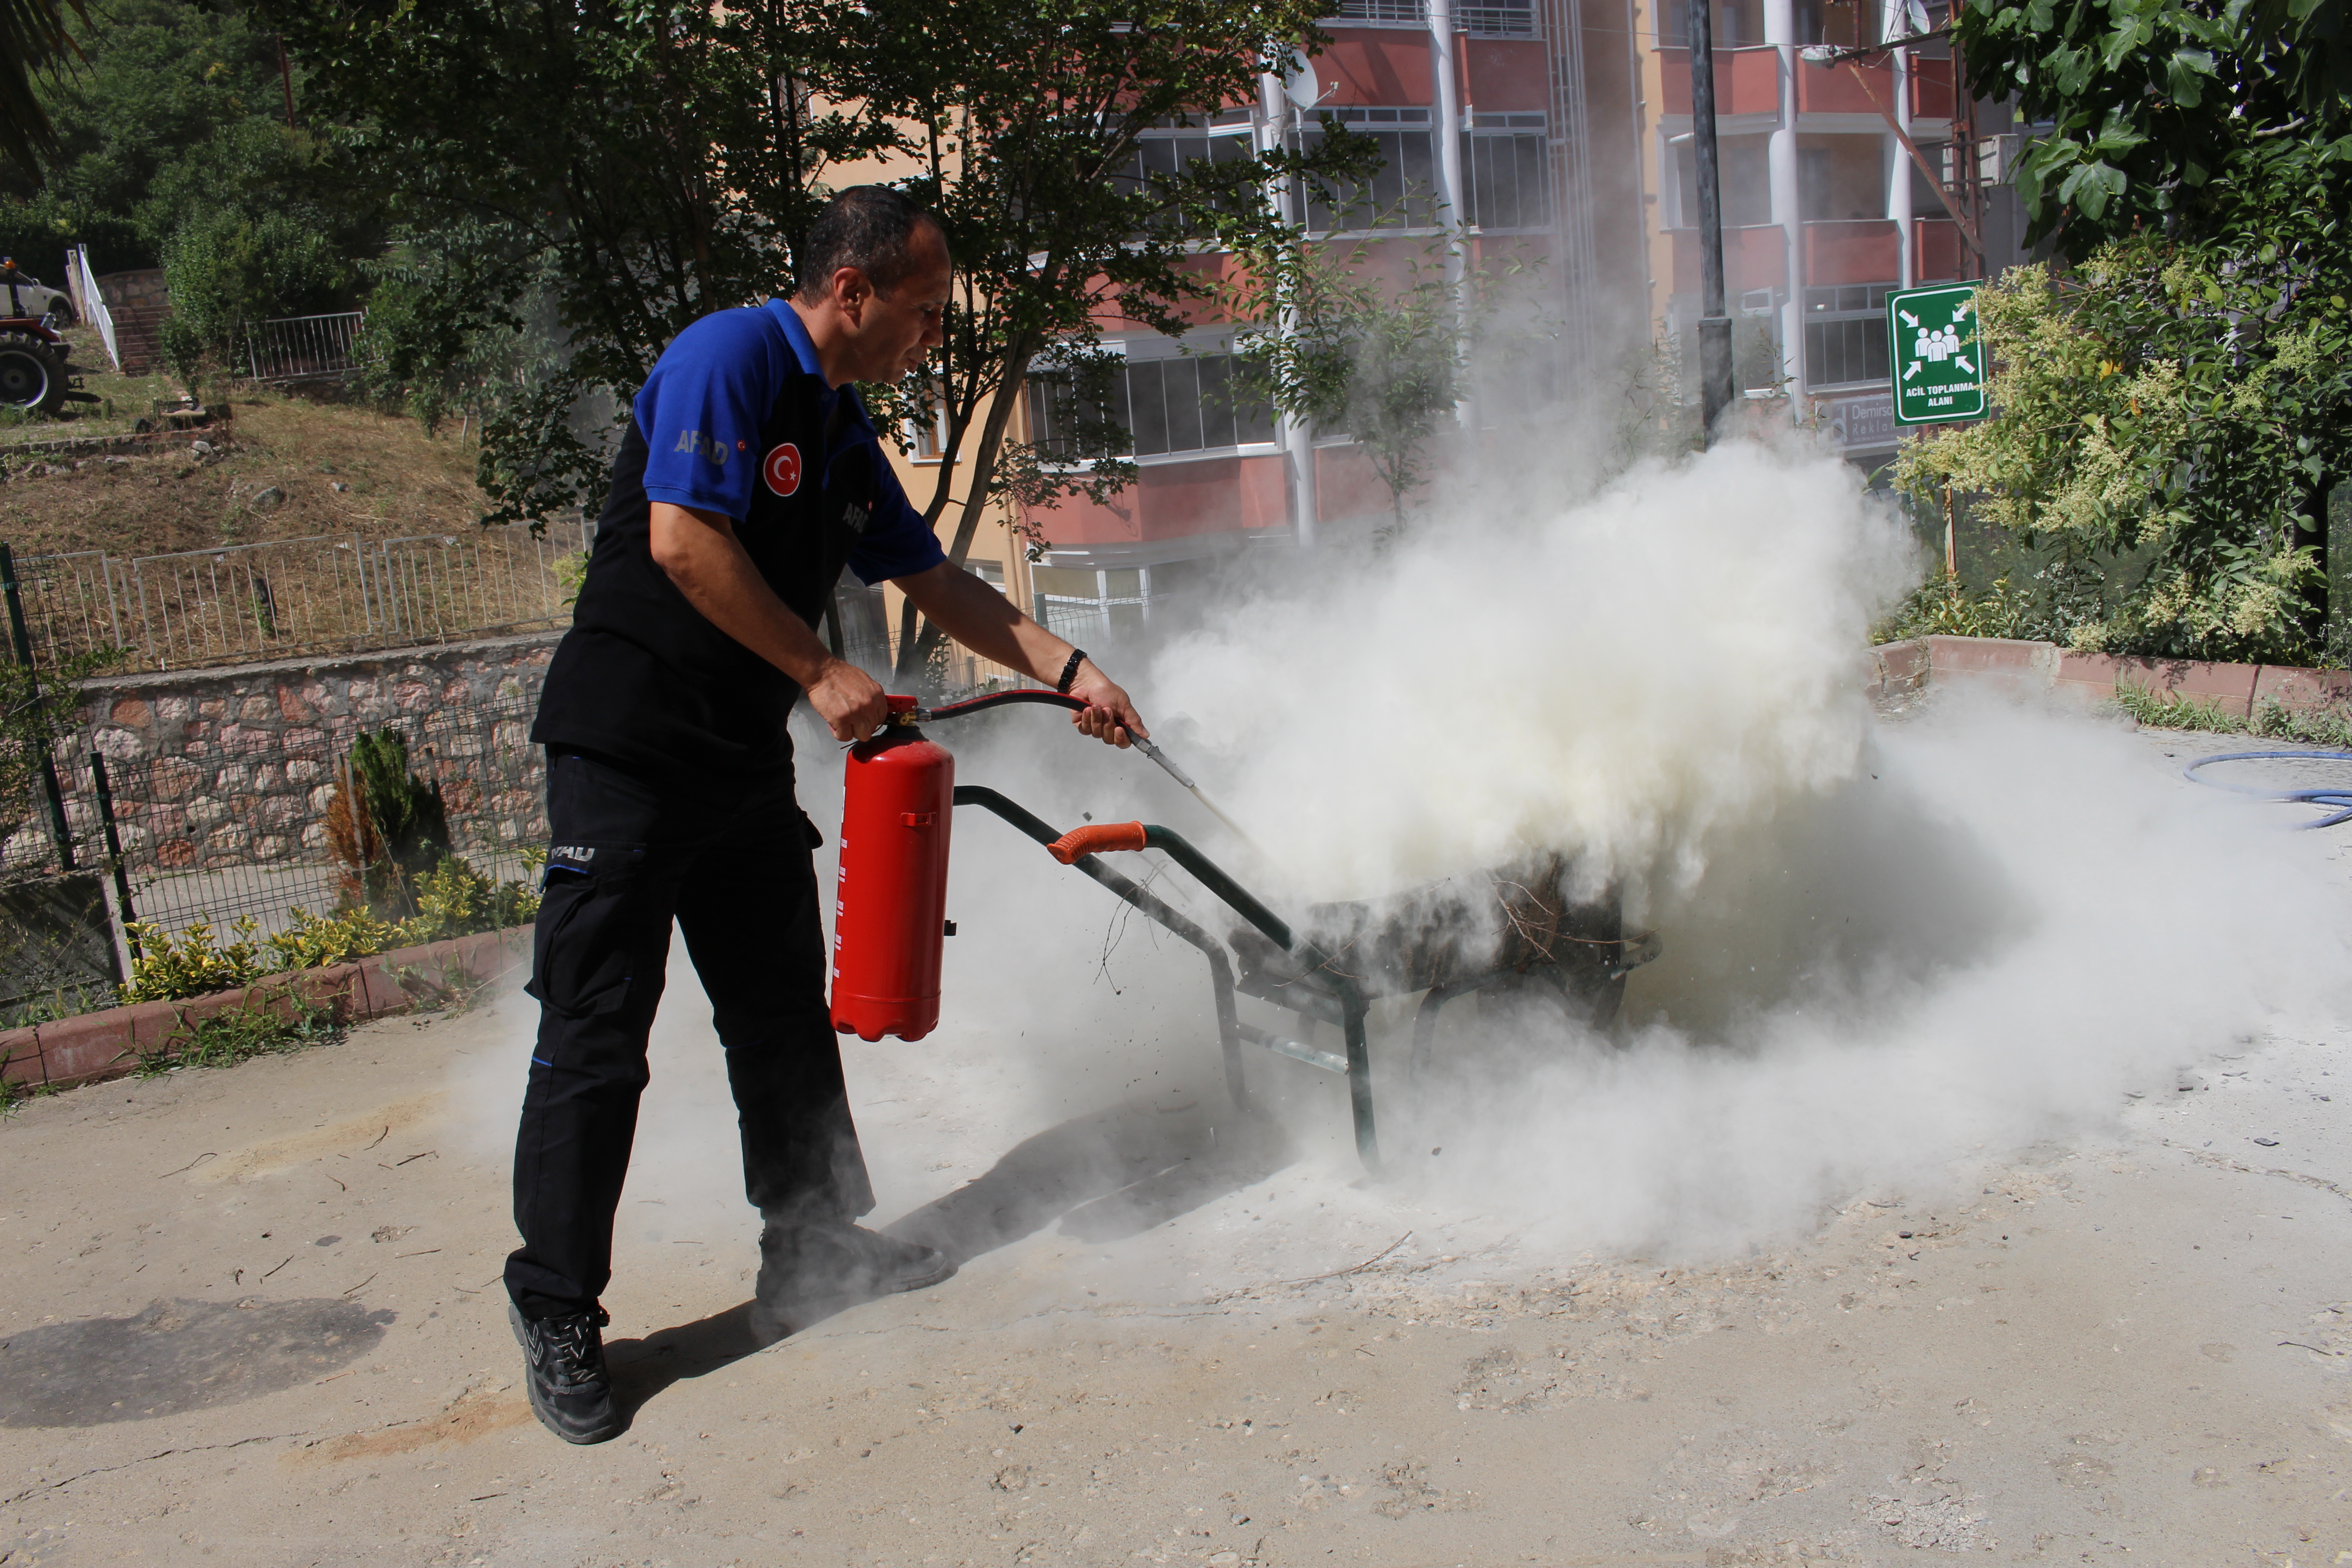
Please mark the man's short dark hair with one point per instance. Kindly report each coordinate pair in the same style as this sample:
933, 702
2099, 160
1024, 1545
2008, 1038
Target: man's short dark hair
870, 227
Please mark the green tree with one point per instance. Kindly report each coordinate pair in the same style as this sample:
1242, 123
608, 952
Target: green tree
1027, 123
2162, 423
35, 37
629, 167
1375, 341
177, 110
2194, 116
227, 268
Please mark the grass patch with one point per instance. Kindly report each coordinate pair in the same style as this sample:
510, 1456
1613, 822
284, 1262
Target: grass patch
226, 1039
2272, 720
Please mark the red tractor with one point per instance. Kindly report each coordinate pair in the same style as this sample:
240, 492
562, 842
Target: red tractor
33, 369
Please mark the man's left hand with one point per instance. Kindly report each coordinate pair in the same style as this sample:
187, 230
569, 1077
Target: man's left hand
1107, 715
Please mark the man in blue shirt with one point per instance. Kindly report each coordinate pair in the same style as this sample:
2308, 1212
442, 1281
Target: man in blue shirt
750, 477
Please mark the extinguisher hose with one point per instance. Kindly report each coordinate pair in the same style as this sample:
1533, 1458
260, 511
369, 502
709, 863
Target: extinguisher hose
1076, 704
997, 699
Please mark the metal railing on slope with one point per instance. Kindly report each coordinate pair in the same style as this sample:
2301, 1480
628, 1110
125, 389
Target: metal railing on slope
303, 348
289, 598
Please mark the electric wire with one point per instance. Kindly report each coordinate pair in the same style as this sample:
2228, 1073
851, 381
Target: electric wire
2337, 799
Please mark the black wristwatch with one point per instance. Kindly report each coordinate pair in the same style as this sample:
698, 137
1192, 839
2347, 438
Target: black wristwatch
1070, 670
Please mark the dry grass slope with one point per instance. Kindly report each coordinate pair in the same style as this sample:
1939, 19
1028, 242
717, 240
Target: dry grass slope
398, 480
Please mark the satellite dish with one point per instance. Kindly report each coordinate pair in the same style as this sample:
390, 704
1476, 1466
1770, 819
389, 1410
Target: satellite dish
1298, 83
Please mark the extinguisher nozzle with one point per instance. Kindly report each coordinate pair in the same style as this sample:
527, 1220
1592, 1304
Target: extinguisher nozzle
1157, 755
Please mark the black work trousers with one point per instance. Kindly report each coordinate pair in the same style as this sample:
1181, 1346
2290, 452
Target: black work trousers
732, 868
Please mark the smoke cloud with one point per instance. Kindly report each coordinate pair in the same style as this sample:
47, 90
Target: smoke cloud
1893, 950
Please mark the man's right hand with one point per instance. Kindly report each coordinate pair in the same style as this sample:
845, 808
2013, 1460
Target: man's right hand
848, 700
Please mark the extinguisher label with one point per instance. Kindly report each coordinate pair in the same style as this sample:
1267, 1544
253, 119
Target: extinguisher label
779, 470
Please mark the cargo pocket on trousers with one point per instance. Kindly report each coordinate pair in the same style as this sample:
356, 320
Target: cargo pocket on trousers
582, 958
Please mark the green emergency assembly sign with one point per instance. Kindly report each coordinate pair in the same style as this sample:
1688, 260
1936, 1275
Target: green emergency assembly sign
1939, 375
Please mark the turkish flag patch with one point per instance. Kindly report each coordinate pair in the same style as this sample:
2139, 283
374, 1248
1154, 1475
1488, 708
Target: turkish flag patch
781, 468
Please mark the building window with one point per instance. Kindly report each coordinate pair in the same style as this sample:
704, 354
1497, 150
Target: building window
1845, 335
1732, 24
1483, 19
927, 428
1842, 24
1841, 178
1077, 416
1402, 192
1505, 165
1167, 150
989, 572
1073, 601
1166, 407
1743, 181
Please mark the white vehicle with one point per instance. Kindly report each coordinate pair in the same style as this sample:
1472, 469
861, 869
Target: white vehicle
26, 299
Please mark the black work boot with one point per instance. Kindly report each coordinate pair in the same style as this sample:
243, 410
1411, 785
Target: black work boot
570, 1392
829, 1260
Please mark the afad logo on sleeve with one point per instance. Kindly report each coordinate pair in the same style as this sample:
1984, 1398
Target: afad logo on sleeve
706, 446
781, 468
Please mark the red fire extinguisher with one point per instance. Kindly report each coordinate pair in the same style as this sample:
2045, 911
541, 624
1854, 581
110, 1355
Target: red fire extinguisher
890, 911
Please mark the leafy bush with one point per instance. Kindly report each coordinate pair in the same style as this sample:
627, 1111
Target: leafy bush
2164, 421
318, 941
226, 268
1941, 607
453, 899
169, 968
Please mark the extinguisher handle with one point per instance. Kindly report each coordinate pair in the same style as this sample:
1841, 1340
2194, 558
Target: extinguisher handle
1096, 837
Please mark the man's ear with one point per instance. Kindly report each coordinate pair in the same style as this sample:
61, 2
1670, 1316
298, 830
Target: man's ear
851, 290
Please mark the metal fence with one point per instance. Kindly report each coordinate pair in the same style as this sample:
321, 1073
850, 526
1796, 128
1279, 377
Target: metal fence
299, 596
303, 348
222, 831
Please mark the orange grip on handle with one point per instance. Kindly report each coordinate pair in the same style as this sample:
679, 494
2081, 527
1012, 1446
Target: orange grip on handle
1095, 838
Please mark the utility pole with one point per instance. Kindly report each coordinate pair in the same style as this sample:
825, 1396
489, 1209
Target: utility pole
1714, 368
1713, 318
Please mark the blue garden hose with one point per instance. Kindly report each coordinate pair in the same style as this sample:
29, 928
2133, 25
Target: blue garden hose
2338, 800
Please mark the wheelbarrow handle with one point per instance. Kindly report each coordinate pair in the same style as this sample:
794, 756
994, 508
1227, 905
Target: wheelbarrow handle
1097, 837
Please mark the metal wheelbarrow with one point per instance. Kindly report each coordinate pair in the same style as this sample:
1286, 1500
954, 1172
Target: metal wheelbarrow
1503, 931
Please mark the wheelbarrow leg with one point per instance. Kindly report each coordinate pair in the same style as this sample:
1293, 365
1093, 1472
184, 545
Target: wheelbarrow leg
1359, 1083
1424, 1024
1229, 1029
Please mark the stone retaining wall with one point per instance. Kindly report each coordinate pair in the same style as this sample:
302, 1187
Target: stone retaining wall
236, 766
301, 701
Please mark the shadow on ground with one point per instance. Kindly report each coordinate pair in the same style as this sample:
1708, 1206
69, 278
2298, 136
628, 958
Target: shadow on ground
176, 1356
1115, 1173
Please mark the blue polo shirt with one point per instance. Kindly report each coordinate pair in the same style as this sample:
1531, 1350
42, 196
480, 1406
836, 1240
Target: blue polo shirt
701, 410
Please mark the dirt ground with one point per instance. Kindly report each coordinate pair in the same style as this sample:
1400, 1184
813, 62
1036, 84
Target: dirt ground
252, 1317
335, 468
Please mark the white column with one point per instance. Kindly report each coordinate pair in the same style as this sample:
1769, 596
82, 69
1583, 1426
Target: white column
1788, 210
1297, 439
1445, 91
1894, 23
1453, 205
